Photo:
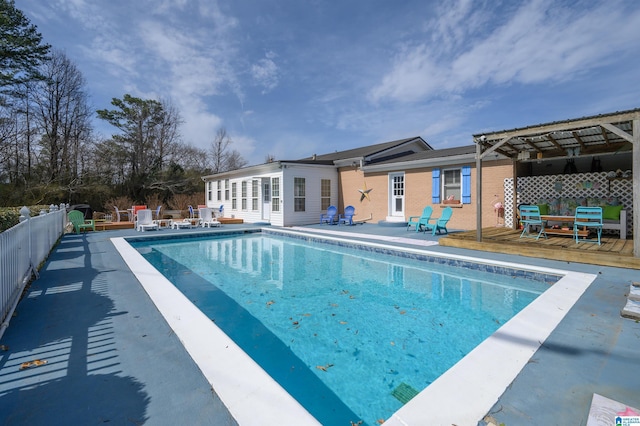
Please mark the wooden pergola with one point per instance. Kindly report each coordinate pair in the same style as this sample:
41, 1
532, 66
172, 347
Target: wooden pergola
587, 136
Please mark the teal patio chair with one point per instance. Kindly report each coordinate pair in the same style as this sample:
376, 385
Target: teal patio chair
347, 217
79, 223
330, 216
440, 223
586, 218
419, 221
530, 217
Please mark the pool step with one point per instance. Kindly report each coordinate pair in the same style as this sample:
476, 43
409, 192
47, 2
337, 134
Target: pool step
632, 308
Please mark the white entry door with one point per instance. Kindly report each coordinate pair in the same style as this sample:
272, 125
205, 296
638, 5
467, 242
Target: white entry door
396, 195
266, 199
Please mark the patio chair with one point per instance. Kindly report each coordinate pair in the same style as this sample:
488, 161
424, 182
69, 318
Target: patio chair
156, 212
588, 217
529, 217
419, 221
221, 211
193, 214
207, 218
79, 222
144, 220
440, 223
347, 217
136, 209
120, 214
330, 216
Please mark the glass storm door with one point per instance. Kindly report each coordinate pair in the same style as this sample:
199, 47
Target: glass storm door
396, 194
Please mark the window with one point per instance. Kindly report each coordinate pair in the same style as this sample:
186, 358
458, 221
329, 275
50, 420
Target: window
234, 201
254, 195
299, 194
219, 190
325, 193
226, 189
451, 184
275, 194
210, 191
244, 194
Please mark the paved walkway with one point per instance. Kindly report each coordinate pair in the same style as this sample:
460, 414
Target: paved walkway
111, 358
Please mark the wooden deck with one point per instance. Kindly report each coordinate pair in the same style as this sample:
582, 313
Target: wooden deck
613, 251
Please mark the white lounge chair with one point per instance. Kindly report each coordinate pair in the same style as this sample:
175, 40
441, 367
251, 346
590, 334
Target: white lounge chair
207, 218
144, 220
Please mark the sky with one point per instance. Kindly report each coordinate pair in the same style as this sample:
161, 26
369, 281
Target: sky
290, 78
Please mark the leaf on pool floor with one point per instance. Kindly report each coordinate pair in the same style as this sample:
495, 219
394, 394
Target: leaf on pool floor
270, 302
34, 363
4, 348
324, 367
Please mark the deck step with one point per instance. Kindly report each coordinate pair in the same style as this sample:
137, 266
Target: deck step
631, 310
634, 292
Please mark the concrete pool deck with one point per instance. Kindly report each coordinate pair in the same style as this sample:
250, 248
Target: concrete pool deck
112, 357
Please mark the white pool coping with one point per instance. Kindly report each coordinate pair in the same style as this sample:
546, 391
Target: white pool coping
462, 395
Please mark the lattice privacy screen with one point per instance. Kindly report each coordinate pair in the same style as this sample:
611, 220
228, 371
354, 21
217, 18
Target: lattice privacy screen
532, 188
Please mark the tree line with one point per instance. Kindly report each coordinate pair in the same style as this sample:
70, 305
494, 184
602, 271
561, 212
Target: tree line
49, 150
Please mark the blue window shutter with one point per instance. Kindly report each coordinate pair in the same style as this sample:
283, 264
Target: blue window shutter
466, 185
435, 186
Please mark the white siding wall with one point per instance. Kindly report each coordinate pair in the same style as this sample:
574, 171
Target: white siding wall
286, 216
312, 175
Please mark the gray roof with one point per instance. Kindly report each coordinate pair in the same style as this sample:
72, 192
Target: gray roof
435, 153
364, 152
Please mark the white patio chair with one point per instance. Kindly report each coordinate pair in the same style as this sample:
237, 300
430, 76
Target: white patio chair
207, 218
144, 220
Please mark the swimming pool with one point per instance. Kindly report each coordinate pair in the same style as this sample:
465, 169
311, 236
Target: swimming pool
395, 288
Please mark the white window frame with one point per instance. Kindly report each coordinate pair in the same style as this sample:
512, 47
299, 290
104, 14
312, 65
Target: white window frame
275, 194
255, 191
299, 194
454, 188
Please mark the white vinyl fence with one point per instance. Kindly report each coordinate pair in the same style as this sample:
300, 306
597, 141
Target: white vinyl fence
22, 249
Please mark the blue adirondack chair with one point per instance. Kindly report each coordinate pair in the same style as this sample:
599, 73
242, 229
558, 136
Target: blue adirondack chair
588, 217
330, 216
419, 221
347, 217
440, 223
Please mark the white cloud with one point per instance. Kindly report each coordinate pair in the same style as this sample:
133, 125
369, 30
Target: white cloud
540, 42
265, 72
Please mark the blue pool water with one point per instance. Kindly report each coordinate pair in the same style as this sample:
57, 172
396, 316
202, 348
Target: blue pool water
349, 333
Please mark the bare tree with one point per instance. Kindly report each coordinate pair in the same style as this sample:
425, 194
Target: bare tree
223, 158
63, 114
